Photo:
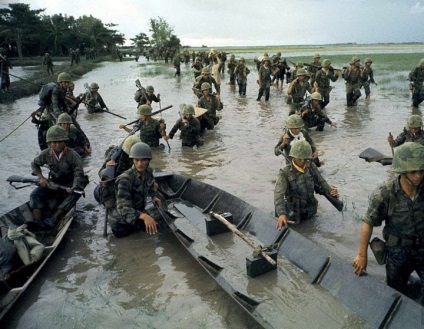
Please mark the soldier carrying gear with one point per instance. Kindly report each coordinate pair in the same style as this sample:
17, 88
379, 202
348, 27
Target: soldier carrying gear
313, 115
206, 77
93, 101
77, 140
416, 85
210, 102
353, 76
411, 133
294, 198
322, 81
189, 127
147, 97
367, 78
297, 91
399, 202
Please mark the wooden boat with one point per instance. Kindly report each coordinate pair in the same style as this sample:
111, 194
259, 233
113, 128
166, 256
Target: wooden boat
310, 287
13, 286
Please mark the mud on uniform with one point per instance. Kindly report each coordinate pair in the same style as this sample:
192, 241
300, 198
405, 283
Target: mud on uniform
67, 171
294, 192
132, 191
403, 230
190, 131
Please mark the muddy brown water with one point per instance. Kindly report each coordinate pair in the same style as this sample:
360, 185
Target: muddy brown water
151, 281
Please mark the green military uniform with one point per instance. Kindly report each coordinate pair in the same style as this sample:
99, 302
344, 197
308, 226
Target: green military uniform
314, 117
209, 119
150, 131
231, 66
142, 98
353, 79
416, 76
78, 141
294, 192
241, 71
367, 78
264, 81
211, 80
407, 136
59, 104
322, 79
197, 68
132, 191
190, 131
49, 63
298, 95
94, 103
303, 134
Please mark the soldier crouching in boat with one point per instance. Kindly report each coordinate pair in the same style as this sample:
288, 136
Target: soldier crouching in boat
294, 198
133, 188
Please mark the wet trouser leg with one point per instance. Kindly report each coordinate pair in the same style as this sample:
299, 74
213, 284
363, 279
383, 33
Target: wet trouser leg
399, 266
320, 124
417, 99
240, 91
367, 88
260, 94
325, 101
243, 88
267, 90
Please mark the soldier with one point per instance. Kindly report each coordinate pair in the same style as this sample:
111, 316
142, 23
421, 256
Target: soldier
299, 65
322, 81
297, 91
189, 126
367, 78
177, 65
399, 202
313, 68
281, 64
5, 66
148, 97
353, 75
416, 76
133, 187
77, 140
210, 102
294, 198
197, 67
65, 169
231, 70
151, 130
264, 80
94, 102
240, 72
206, 77
414, 133
47, 60
59, 104
313, 115
294, 132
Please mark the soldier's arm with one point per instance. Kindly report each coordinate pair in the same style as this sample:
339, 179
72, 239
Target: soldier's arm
400, 139
101, 102
175, 128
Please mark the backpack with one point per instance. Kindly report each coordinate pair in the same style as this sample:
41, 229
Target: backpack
45, 94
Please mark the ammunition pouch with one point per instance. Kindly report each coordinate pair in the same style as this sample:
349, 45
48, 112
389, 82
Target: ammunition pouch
395, 241
379, 249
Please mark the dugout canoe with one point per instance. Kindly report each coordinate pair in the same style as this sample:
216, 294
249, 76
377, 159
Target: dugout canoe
13, 286
310, 287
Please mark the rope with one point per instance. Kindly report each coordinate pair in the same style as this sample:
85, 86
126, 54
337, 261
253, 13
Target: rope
15, 129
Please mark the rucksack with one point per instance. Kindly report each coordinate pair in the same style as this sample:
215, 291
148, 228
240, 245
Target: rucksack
45, 94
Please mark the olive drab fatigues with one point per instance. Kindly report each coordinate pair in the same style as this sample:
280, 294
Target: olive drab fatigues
303, 134
367, 78
67, 171
59, 105
190, 131
314, 117
49, 63
322, 78
353, 85
241, 72
94, 103
264, 81
231, 66
132, 191
211, 80
294, 192
123, 163
150, 132
209, 119
298, 95
141, 100
77, 141
406, 136
197, 69
416, 76
403, 230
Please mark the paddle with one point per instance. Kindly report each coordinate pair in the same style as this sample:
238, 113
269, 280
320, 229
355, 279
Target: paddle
372, 155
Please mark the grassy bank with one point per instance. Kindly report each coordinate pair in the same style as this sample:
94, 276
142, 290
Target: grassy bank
34, 82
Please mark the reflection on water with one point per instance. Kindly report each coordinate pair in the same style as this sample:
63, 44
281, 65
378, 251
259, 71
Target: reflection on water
152, 282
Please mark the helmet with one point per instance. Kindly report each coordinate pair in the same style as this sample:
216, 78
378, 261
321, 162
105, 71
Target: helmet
301, 149
368, 60
205, 70
421, 62
299, 64
317, 56
144, 109
205, 86
197, 59
94, 85
414, 121
294, 121
408, 157
56, 134
71, 84
326, 62
232, 56
140, 151
301, 72
188, 109
129, 142
63, 77
266, 55
354, 59
278, 54
317, 96
150, 89
266, 58
64, 118
242, 59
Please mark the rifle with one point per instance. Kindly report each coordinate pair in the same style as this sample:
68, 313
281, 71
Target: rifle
197, 92
35, 181
154, 113
99, 108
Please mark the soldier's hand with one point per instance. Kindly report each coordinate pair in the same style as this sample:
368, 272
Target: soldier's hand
69, 190
43, 182
87, 150
121, 126
156, 201
411, 86
158, 96
390, 139
334, 192
110, 163
150, 223
315, 155
162, 126
282, 221
360, 264
286, 138
166, 137
334, 125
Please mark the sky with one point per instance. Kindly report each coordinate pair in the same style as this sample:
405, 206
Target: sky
217, 23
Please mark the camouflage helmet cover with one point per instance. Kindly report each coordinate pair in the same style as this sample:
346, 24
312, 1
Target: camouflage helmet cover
56, 134
301, 72
205, 70
421, 62
299, 64
414, 121
317, 56
129, 142
354, 59
294, 121
94, 85
64, 77
150, 89
64, 118
408, 158
242, 59
140, 151
144, 110
205, 86
368, 60
326, 62
316, 96
188, 109
301, 149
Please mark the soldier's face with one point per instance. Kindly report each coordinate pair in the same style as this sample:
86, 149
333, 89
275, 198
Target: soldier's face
415, 131
415, 177
66, 126
57, 146
299, 162
295, 131
141, 165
